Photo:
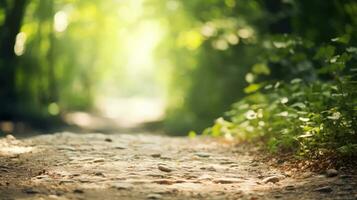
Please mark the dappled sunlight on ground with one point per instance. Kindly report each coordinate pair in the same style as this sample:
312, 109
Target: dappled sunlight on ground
9, 146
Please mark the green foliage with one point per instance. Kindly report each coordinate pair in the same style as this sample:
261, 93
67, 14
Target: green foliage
300, 91
215, 43
303, 116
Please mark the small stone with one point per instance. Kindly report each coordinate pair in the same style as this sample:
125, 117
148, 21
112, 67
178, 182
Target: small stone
66, 148
99, 174
254, 164
331, 172
84, 180
227, 181
120, 147
154, 196
164, 168
108, 140
227, 162
290, 187
10, 137
204, 177
165, 158
78, 191
203, 155
156, 175
76, 174
164, 182
325, 189
307, 175
122, 186
156, 155
272, 179
180, 181
288, 174
211, 168
53, 196
66, 181
30, 191
98, 160
41, 176
280, 161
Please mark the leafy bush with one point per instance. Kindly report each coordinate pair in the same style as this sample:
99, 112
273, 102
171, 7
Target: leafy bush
315, 113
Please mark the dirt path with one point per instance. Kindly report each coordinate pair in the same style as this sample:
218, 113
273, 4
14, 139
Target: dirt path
97, 166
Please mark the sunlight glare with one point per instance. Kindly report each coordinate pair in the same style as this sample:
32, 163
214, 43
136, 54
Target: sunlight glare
141, 44
14, 150
19, 47
135, 95
60, 21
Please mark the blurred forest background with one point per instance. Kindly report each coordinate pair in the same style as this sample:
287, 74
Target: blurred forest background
288, 67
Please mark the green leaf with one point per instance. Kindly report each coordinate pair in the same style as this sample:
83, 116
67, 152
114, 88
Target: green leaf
216, 130
299, 105
296, 81
352, 50
306, 135
261, 68
252, 88
344, 39
335, 67
192, 134
325, 52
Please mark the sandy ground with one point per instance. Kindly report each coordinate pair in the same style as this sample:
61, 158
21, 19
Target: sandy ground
143, 166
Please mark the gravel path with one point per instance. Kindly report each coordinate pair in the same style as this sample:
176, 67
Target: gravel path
143, 166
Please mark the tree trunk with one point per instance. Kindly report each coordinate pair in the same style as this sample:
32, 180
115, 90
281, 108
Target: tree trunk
10, 29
